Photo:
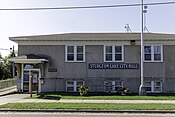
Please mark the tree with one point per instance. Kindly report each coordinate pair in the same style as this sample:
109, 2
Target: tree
5, 68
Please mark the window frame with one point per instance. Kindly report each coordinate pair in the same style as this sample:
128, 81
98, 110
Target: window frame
153, 53
112, 85
152, 85
114, 53
75, 85
75, 53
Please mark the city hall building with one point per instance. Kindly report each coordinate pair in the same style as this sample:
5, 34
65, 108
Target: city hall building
102, 61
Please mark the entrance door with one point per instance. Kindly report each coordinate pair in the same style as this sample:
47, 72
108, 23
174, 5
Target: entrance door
29, 75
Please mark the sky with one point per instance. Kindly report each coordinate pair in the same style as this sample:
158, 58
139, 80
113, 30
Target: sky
159, 19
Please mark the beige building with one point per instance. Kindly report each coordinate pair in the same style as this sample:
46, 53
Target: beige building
102, 61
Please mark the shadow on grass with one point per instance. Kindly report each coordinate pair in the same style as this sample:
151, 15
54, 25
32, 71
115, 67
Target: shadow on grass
49, 96
58, 96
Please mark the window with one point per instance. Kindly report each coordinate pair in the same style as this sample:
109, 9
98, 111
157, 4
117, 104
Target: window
108, 53
118, 53
153, 53
113, 53
73, 86
79, 83
112, 86
70, 86
75, 53
147, 50
157, 53
153, 86
80, 53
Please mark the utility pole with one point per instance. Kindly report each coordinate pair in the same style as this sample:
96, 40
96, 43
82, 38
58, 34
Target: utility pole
13, 64
142, 50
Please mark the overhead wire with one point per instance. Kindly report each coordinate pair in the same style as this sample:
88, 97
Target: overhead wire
5, 49
85, 7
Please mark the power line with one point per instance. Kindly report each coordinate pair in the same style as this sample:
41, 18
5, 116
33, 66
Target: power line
86, 7
5, 49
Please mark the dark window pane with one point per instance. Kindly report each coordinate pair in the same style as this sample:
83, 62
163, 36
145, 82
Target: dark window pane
108, 57
70, 83
148, 88
26, 76
147, 49
157, 88
118, 57
157, 57
79, 49
147, 57
71, 89
79, 83
118, 49
79, 57
77, 89
108, 49
70, 49
70, 57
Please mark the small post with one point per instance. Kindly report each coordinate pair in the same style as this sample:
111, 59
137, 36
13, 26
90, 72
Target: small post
31, 80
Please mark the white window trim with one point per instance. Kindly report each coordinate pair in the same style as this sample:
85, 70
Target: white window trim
152, 53
75, 53
113, 53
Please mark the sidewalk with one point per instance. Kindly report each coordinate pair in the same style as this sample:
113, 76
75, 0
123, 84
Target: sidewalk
12, 98
7, 95
21, 98
95, 101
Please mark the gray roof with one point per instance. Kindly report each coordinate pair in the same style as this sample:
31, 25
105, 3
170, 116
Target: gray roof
96, 37
30, 56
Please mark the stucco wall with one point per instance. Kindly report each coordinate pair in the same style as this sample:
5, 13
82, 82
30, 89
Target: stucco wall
94, 78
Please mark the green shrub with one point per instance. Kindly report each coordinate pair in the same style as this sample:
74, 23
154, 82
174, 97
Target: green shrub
83, 90
123, 91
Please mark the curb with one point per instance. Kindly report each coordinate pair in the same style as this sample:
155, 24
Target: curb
87, 111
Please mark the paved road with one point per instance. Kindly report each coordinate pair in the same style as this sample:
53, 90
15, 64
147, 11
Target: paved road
82, 115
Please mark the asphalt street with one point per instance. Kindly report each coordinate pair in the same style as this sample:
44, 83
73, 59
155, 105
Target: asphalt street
10, 114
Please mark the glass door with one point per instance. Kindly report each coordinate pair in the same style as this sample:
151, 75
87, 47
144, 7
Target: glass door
29, 75
35, 78
26, 77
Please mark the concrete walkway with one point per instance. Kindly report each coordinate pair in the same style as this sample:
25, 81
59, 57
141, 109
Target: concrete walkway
21, 98
12, 98
8, 90
7, 95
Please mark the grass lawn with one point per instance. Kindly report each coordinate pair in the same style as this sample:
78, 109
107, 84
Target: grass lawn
102, 97
89, 106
